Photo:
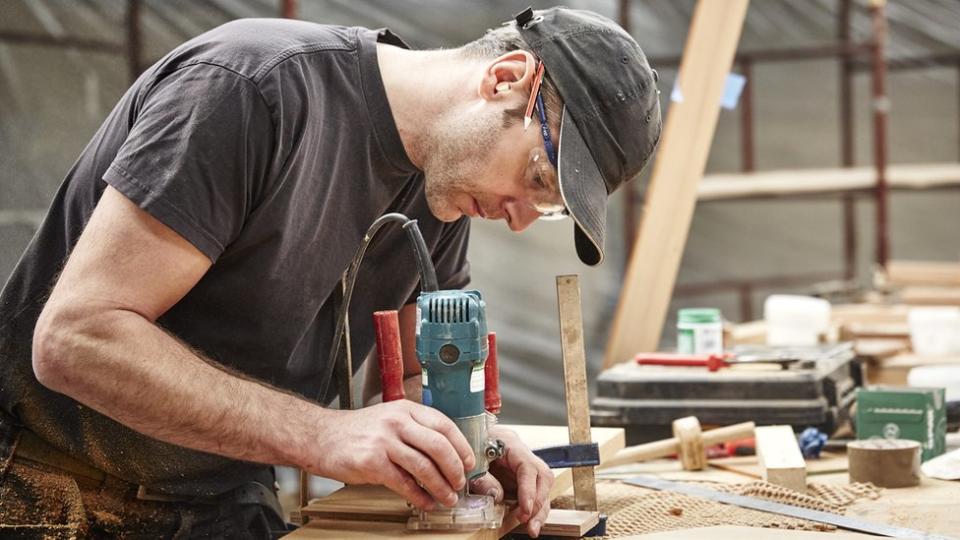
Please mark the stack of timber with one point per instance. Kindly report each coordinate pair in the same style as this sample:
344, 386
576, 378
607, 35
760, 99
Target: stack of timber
921, 283
818, 182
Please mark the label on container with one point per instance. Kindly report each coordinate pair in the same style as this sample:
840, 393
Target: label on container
477, 381
423, 377
700, 338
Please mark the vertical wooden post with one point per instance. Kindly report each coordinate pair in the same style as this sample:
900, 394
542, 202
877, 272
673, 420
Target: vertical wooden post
672, 193
847, 142
881, 108
575, 385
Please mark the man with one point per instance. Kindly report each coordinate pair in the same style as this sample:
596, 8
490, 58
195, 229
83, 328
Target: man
184, 342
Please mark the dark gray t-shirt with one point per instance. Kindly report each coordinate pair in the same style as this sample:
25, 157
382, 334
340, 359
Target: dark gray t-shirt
270, 146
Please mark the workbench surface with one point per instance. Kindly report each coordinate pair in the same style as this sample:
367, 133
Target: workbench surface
934, 506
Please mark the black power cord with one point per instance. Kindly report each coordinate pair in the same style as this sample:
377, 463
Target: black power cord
428, 280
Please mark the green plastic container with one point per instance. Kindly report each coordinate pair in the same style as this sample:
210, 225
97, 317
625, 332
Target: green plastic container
699, 331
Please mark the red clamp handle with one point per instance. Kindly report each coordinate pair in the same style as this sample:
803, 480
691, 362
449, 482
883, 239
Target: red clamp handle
712, 362
491, 377
389, 354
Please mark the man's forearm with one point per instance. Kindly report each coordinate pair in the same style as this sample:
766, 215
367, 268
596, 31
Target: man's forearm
124, 366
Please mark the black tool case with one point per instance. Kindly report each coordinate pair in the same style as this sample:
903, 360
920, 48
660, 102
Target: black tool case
817, 390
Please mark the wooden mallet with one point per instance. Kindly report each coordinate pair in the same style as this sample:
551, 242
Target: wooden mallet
688, 441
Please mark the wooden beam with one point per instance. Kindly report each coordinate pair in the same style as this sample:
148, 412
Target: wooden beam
781, 462
930, 296
672, 194
811, 182
923, 273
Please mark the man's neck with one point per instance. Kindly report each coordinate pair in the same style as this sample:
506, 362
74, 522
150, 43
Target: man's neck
421, 87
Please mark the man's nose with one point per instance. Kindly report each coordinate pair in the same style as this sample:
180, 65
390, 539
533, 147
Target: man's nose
521, 215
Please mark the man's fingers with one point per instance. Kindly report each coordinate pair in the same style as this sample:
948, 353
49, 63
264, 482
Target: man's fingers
423, 470
526, 489
400, 482
437, 448
487, 485
544, 483
437, 421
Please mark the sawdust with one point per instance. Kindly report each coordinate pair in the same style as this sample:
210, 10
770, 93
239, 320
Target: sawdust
634, 510
39, 502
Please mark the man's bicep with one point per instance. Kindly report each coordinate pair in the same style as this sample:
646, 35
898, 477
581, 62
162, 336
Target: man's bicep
127, 259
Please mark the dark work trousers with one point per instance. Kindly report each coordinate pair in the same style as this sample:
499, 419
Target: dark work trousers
38, 500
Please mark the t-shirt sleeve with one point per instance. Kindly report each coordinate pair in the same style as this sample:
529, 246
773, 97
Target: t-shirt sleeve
197, 155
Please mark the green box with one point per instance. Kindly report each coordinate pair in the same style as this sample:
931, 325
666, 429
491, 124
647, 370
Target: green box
916, 414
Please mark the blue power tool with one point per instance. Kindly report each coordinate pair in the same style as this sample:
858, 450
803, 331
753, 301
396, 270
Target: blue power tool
452, 349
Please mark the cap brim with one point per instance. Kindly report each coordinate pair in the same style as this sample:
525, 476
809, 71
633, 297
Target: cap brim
584, 192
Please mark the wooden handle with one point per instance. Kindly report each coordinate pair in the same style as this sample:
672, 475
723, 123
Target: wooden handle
653, 450
728, 433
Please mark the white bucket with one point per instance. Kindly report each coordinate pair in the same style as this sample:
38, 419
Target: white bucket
946, 376
934, 331
794, 320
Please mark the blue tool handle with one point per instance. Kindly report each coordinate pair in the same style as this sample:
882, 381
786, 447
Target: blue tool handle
570, 455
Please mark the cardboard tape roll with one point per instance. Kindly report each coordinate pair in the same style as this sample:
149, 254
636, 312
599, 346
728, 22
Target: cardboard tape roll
890, 463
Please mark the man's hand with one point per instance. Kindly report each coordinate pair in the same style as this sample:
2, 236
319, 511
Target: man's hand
401, 444
522, 475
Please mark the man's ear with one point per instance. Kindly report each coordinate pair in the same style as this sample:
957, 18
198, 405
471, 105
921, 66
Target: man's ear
508, 74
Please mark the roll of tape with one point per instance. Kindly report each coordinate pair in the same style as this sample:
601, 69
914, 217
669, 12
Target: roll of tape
888, 463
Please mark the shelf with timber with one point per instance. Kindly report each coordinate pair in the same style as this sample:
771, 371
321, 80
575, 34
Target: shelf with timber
800, 182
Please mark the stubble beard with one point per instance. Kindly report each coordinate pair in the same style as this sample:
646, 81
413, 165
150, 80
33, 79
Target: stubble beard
455, 159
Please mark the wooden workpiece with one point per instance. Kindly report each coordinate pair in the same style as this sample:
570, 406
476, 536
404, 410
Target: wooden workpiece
569, 523
893, 371
780, 459
354, 511
827, 463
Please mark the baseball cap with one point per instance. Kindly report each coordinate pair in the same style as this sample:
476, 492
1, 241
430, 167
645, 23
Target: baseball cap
611, 122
